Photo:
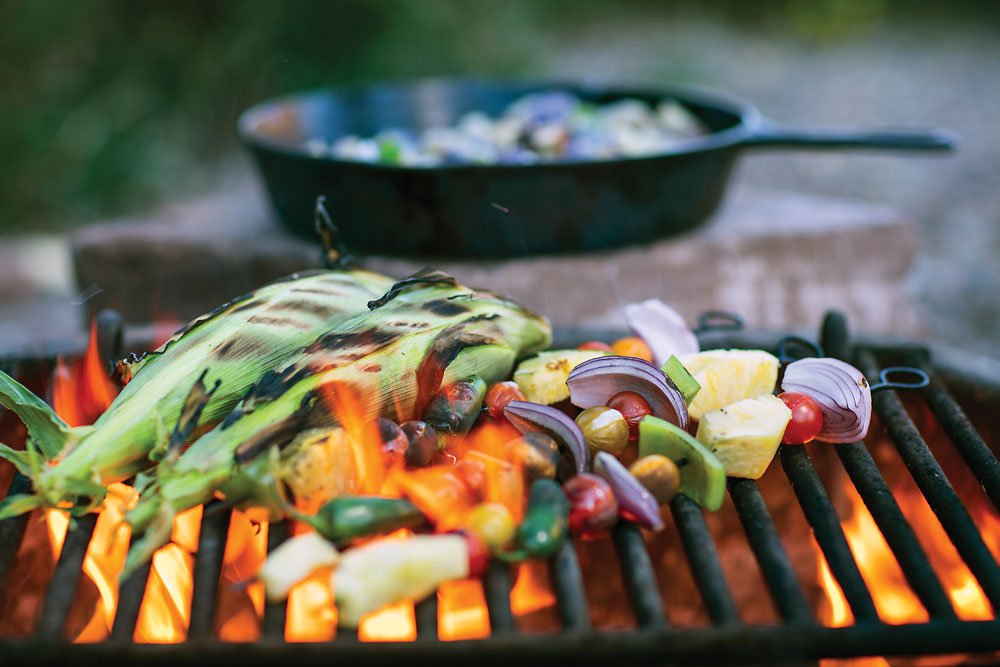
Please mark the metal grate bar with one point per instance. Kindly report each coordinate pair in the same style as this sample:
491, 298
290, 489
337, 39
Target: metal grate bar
895, 528
207, 569
275, 613
771, 555
829, 534
977, 454
878, 498
496, 588
933, 483
567, 584
12, 530
62, 587
703, 558
639, 575
426, 613
129, 602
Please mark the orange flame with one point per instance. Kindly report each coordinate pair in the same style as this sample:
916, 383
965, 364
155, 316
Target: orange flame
240, 607
531, 591
166, 606
81, 391
362, 434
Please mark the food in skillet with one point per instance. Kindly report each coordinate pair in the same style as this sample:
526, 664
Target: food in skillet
543, 127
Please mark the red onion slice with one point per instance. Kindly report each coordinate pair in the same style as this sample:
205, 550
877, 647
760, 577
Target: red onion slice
634, 500
526, 416
662, 327
594, 381
842, 392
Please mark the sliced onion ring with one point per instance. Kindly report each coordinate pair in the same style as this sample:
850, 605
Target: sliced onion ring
595, 381
662, 327
634, 500
526, 416
842, 392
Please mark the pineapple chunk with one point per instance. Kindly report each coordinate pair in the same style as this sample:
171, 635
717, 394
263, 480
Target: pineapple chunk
543, 378
728, 376
746, 434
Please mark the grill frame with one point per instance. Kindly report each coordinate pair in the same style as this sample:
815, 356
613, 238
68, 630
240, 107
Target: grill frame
727, 641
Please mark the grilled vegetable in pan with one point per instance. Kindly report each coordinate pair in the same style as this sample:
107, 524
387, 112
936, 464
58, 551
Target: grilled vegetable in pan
230, 349
427, 331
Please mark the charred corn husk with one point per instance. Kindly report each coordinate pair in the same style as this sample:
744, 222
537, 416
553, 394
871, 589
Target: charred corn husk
426, 332
162, 405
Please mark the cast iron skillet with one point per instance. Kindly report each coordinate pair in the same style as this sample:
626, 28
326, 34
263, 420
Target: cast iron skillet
479, 211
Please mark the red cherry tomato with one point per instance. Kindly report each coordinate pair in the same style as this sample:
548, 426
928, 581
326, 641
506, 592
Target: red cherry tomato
592, 505
633, 407
499, 395
479, 555
595, 345
807, 418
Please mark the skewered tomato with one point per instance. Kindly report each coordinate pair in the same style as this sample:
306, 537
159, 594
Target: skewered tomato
632, 347
604, 429
479, 555
592, 505
493, 523
633, 407
659, 475
595, 345
807, 418
500, 395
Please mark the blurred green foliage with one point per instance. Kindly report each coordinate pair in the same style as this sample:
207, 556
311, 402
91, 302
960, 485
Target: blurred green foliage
109, 104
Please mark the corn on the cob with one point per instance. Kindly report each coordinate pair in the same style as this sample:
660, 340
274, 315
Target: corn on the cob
231, 347
424, 333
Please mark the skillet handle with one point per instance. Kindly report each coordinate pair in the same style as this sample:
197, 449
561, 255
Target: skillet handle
775, 134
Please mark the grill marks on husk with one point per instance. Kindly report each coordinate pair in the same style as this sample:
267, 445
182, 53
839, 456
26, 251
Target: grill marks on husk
446, 347
240, 347
445, 308
335, 341
279, 322
194, 404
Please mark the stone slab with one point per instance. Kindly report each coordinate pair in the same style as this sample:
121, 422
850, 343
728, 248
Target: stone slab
780, 259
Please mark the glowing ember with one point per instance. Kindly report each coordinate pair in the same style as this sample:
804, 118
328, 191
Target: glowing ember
462, 612
531, 591
394, 623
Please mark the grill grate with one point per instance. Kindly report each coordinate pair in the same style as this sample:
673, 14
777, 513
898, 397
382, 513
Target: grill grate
727, 640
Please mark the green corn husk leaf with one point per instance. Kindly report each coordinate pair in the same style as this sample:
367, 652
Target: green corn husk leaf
233, 347
48, 433
417, 338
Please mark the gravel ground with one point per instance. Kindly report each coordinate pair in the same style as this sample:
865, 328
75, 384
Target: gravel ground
913, 74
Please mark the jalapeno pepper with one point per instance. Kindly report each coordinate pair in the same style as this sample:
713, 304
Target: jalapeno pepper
545, 525
455, 409
350, 517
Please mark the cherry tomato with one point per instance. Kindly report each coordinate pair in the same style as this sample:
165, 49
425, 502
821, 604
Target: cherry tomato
595, 345
632, 347
807, 418
593, 508
499, 395
633, 407
493, 524
479, 555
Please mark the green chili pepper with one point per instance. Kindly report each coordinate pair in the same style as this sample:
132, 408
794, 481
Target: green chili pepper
350, 517
455, 409
545, 525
